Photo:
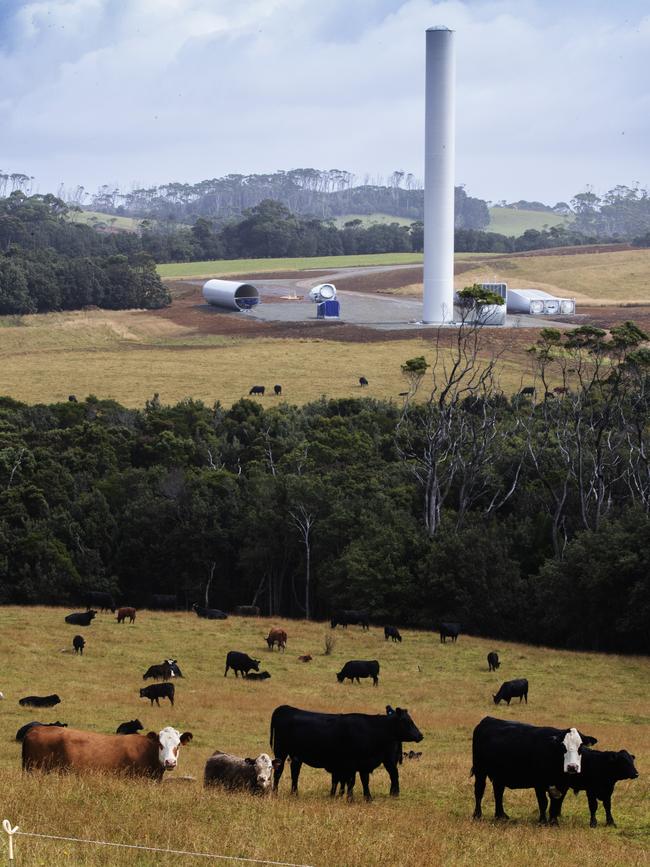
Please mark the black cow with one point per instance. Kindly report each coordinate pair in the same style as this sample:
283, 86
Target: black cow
81, 618
278, 390
240, 662
40, 700
512, 689
449, 630
163, 671
600, 773
516, 755
338, 775
392, 632
156, 691
163, 602
22, 731
363, 381
129, 728
258, 675
356, 668
78, 643
350, 617
493, 660
528, 391
72, 398
343, 744
99, 599
257, 389
209, 613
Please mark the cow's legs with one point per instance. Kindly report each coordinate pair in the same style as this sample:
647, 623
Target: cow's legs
226, 671
542, 803
393, 773
364, 776
171, 698
555, 810
277, 772
296, 765
499, 812
375, 680
479, 790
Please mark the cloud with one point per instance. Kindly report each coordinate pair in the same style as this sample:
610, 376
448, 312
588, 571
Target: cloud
551, 96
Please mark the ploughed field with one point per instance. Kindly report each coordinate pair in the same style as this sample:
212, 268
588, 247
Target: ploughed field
446, 688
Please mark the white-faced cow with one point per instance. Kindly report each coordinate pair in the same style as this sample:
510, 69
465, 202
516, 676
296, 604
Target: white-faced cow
233, 772
516, 755
61, 749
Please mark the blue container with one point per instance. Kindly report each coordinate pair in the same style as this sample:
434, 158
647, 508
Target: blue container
328, 310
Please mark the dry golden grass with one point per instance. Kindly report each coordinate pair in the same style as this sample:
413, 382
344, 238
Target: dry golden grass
130, 355
446, 687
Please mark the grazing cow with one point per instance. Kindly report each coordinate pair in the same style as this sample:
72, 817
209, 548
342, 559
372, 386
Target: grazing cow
53, 749
493, 660
123, 613
600, 773
209, 613
72, 398
449, 630
343, 744
159, 672
129, 728
240, 662
99, 599
257, 389
356, 668
305, 658
512, 689
163, 602
515, 755
40, 700
22, 731
350, 617
528, 391
392, 632
232, 772
277, 636
78, 643
363, 381
81, 618
173, 664
248, 610
156, 691
561, 390
258, 675
278, 390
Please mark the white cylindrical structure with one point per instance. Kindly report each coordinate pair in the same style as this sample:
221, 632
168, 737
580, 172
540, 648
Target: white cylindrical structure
439, 147
230, 294
322, 292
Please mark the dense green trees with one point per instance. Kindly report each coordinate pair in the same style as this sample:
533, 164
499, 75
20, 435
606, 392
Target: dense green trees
541, 510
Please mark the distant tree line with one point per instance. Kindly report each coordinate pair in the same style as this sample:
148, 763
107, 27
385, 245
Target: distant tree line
525, 519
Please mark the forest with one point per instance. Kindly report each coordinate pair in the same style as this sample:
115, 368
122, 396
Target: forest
525, 519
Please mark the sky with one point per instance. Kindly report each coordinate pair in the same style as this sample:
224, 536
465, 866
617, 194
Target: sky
552, 95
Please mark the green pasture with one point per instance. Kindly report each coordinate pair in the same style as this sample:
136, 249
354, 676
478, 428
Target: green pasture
111, 221
446, 687
512, 221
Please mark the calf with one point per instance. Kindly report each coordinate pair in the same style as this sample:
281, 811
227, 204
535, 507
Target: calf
123, 613
493, 660
305, 658
600, 773
392, 632
512, 689
159, 672
240, 662
363, 381
449, 630
232, 772
257, 389
40, 701
22, 731
357, 668
277, 636
129, 728
81, 618
156, 691
278, 390
411, 755
258, 675
78, 643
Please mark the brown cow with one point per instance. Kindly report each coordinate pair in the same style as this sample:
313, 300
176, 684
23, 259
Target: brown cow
306, 658
277, 636
123, 613
61, 749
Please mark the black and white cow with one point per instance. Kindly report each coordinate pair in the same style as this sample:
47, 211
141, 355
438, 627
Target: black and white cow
516, 755
510, 689
233, 772
357, 668
163, 671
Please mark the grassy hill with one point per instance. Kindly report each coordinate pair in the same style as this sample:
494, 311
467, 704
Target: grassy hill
111, 221
446, 688
372, 219
512, 221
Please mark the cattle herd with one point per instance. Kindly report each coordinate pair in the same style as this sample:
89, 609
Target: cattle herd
510, 754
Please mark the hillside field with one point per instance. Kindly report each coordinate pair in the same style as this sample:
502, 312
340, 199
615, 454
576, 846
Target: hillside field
512, 221
446, 688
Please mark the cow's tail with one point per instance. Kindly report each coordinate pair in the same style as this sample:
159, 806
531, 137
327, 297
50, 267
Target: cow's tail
471, 773
272, 736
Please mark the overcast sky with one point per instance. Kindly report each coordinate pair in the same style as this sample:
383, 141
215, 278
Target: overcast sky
552, 95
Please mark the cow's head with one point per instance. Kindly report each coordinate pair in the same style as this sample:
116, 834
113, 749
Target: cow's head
264, 767
169, 743
572, 743
256, 664
92, 613
406, 730
622, 764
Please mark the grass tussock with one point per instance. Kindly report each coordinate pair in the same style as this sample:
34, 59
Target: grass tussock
447, 688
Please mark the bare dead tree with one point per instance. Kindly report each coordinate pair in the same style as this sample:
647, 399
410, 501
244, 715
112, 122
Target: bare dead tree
303, 520
213, 566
